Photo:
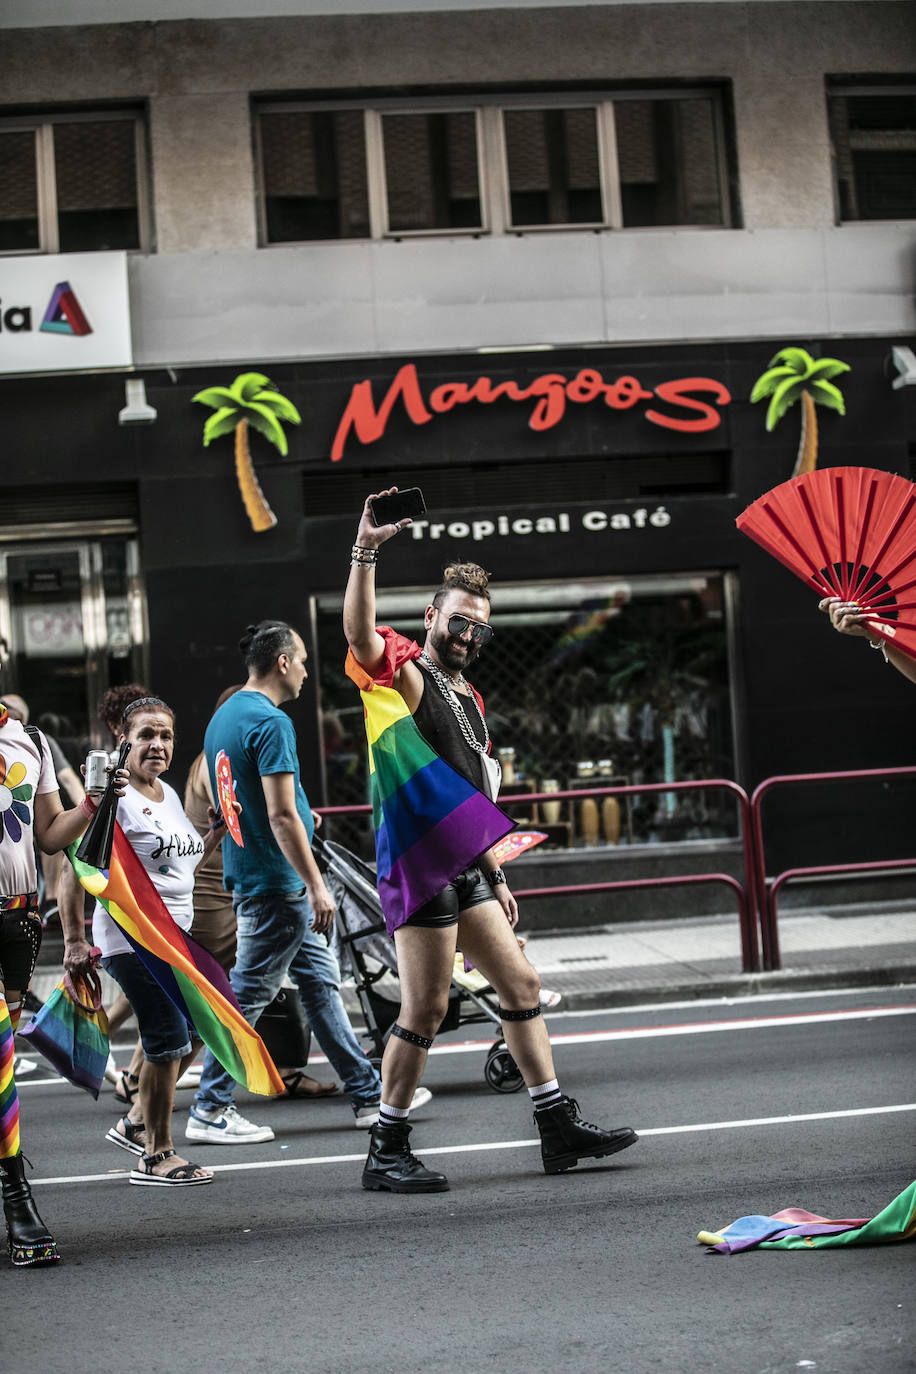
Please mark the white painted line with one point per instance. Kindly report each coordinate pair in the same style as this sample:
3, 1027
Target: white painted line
805, 1018
117, 1175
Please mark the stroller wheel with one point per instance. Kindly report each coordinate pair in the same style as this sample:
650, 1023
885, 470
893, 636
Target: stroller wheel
501, 1070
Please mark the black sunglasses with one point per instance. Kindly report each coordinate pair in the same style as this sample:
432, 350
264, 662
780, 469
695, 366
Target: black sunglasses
460, 624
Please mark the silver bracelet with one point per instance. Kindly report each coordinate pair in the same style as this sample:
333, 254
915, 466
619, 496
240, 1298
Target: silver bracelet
879, 644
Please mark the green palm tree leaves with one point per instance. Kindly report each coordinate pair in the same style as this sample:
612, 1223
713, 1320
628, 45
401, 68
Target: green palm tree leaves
790, 373
251, 402
252, 397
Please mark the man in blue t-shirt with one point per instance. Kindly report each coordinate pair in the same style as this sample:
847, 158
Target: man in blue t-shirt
282, 905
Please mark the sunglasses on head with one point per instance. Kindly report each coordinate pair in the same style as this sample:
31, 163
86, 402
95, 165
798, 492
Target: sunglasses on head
460, 624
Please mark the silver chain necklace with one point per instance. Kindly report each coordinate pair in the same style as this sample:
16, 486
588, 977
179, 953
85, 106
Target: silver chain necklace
444, 683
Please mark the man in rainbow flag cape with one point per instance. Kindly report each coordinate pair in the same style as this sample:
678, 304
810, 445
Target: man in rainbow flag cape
436, 822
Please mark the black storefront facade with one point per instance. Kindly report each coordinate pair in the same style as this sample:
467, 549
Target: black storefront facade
639, 636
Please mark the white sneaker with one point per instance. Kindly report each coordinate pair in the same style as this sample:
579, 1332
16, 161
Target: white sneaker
366, 1117
226, 1127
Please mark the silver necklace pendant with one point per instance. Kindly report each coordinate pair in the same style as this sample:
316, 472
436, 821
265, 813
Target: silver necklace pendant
446, 686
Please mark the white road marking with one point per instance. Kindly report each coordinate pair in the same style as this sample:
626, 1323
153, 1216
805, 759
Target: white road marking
805, 1018
118, 1175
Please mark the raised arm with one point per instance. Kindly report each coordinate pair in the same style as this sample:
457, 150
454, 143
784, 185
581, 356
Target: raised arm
848, 620
359, 601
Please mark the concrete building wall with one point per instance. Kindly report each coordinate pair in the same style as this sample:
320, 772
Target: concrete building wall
786, 270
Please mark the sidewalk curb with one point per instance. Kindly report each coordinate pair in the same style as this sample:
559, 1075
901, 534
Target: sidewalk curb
740, 985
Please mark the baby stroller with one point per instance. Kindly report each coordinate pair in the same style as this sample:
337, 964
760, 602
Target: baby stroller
365, 950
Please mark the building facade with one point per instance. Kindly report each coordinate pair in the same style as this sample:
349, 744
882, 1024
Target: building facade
529, 258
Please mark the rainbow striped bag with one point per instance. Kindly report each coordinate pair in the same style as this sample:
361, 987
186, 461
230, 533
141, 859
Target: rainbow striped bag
71, 1030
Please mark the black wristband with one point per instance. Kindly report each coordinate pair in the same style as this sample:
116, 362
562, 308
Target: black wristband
496, 877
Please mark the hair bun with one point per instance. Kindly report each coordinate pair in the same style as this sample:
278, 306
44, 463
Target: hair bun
470, 577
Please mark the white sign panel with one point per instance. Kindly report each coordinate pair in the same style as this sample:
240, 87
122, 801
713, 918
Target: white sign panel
64, 313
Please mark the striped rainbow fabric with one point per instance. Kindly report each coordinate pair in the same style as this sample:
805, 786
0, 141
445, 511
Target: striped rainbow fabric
188, 974
430, 823
796, 1229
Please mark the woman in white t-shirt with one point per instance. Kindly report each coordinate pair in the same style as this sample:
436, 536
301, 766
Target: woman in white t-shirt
167, 844
30, 811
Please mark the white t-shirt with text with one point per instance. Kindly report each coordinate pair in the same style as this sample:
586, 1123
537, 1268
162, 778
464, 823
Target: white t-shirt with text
169, 848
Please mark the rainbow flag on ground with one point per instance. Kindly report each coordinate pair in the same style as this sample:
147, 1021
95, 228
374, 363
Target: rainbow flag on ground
184, 970
796, 1229
430, 823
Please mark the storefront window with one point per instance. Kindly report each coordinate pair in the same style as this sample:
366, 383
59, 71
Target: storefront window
586, 685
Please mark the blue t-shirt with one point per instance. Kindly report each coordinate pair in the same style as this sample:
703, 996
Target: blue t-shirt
259, 740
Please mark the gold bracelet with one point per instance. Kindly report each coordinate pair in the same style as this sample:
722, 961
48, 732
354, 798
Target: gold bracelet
360, 554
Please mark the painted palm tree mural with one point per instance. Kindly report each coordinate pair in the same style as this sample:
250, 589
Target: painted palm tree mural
251, 401
793, 375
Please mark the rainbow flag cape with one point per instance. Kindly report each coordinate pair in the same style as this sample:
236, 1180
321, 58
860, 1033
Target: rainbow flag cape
185, 971
430, 823
796, 1229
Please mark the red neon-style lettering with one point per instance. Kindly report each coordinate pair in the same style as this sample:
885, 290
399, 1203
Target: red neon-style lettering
368, 423
677, 393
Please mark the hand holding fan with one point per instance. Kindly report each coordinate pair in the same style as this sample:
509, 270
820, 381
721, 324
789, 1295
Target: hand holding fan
225, 795
848, 533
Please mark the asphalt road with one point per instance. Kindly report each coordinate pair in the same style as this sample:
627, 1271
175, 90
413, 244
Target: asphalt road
285, 1263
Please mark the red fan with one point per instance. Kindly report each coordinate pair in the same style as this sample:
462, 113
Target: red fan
851, 533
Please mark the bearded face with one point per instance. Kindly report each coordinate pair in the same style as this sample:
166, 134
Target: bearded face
454, 654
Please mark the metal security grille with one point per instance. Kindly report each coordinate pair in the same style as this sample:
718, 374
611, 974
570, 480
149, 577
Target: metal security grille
554, 175
313, 166
431, 171
874, 145
499, 164
670, 166
18, 192
73, 183
594, 683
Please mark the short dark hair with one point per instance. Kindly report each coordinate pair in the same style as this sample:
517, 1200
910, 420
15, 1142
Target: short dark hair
261, 645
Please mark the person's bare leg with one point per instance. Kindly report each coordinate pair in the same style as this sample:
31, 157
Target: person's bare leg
425, 959
157, 1099
488, 941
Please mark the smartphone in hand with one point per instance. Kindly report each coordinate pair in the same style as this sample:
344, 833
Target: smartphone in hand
401, 505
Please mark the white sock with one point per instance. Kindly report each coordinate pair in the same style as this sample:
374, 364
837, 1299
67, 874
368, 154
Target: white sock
390, 1116
546, 1094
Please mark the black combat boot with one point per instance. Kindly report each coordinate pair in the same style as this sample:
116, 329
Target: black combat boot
392, 1168
566, 1138
29, 1240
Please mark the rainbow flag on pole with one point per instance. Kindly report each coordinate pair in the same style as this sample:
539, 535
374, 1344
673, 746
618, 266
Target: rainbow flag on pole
188, 974
430, 822
796, 1229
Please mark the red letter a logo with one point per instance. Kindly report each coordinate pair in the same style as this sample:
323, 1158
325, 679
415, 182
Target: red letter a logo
63, 315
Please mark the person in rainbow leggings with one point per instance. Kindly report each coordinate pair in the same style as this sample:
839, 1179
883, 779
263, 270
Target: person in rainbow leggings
30, 809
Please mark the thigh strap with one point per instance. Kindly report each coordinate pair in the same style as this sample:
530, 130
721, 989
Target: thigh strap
422, 1041
527, 1015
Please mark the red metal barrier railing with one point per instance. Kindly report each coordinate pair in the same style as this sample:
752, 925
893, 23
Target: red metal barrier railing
767, 895
745, 892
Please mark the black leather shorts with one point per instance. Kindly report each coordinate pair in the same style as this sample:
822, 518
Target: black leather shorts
469, 889
20, 941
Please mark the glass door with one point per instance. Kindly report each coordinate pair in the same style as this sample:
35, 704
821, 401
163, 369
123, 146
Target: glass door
72, 622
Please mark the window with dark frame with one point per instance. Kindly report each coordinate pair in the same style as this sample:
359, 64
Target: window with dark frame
72, 183
313, 167
873, 132
626, 160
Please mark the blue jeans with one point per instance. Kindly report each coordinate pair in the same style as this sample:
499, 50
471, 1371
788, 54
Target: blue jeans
275, 938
